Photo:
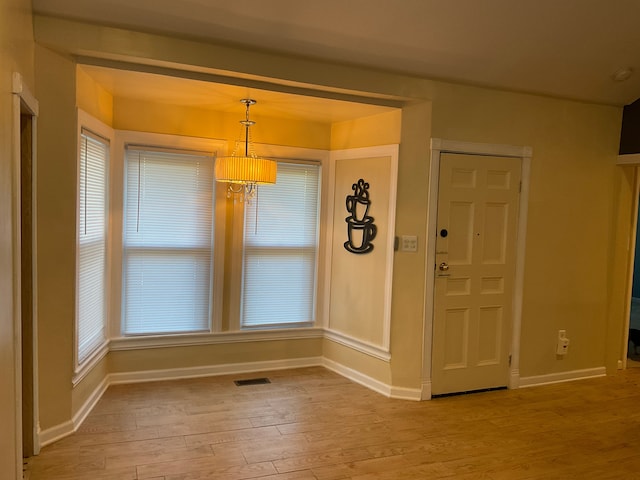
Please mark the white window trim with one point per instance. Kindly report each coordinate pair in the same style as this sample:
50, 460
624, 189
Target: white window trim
190, 339
88, 122
294, 155
127, 137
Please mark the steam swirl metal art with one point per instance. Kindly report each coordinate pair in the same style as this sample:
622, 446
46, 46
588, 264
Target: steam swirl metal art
360, 226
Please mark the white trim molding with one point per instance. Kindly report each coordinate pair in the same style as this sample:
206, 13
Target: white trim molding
65, 429
24, 102
89, 363
85, 409
632, 159
497, 150
22, 90
537, 380
361, 346
163, 341
425, 393
55, 433
391, 151
524, 153
514, 378
211, 370
285, 154
404, 393
631, 261
401, 393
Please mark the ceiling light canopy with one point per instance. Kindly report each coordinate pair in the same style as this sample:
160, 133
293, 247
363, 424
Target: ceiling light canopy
243, 170
622, 74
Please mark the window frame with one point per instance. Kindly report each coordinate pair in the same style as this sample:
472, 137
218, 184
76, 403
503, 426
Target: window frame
168, 142
98, 129
137, 246
288, 154
227, 240
302, 324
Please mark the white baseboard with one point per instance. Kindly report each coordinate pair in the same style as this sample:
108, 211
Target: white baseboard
514, 379
372, 383
62, 430
89, 403
404, 393
361, 378
562, 377
211, 370
426, 390
55, 433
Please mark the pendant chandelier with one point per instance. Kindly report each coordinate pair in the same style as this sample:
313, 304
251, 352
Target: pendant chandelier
243, 170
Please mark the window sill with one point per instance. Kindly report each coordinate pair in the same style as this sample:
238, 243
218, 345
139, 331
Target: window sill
163, 341
93, 359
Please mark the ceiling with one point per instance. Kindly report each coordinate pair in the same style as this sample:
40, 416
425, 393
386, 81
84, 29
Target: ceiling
226, 98
562, 48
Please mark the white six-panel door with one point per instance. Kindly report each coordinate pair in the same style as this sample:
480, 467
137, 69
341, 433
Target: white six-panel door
474, 271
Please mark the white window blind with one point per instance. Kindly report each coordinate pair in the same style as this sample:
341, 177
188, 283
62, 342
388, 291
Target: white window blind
92, 234
167, 252
280, 251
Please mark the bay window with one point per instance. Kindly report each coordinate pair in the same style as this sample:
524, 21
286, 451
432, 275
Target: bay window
167, 278
92, 242
167, 241
280, 250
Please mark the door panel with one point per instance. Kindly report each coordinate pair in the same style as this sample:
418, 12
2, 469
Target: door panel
461, 245
456, 338
489, 333
495, 233
475, 264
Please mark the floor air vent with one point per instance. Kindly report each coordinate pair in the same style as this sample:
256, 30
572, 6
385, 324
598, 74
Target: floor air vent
251, 381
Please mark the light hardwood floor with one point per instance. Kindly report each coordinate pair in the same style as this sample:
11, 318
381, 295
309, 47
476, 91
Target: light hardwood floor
314, 424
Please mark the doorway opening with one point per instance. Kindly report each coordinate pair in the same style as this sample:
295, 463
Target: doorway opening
25, 110
633, 333
27, 221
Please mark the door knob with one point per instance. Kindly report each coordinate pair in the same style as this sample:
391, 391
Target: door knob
444, 266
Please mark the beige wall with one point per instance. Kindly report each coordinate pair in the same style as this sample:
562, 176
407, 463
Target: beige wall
569, 232
363, 364
577, 208
93, 98
381, 129
131, 114
127, 361
16, 55
407, 305
91, 383
358, 280
56, 193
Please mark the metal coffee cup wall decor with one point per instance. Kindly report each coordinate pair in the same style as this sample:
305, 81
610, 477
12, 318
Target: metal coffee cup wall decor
360, 227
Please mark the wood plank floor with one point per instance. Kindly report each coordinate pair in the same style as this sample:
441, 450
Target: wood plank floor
314, 424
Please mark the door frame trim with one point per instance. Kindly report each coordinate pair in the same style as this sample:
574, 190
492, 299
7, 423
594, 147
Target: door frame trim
438, 147
633, 161
24, 99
